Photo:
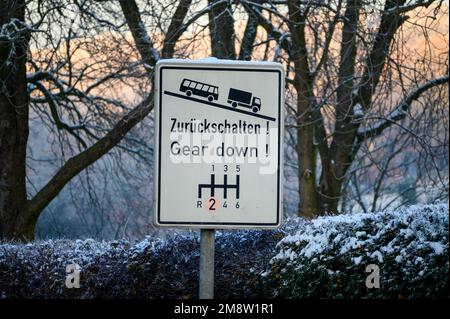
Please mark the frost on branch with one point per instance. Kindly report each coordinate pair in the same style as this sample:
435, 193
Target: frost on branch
13, 35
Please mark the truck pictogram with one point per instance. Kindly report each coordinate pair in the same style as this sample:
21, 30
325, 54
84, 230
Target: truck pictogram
243, 98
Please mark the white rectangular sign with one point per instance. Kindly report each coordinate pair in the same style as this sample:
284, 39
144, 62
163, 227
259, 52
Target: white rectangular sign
218, 144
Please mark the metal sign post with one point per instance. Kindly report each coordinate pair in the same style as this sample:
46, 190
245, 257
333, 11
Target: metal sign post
206, 282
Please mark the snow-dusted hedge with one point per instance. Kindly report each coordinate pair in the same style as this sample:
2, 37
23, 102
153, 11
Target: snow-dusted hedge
328, 257
152, 268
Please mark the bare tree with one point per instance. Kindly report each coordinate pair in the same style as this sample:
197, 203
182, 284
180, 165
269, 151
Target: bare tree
345, 58
358, 99
66, 58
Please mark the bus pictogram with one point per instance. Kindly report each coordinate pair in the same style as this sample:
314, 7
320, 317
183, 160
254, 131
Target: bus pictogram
191, 87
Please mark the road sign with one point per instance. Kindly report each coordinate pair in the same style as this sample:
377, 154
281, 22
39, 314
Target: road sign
218, 144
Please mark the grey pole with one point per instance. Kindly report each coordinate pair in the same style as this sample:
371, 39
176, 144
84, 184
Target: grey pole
206, 282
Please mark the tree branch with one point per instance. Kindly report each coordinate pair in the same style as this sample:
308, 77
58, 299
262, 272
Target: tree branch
60, 124
143, 42
251, 28
347, 61
87, 157
328, 38
84, 159
281, 37
399, 111
176, 28
390, 22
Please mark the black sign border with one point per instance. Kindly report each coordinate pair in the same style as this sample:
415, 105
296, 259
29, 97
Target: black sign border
158, 167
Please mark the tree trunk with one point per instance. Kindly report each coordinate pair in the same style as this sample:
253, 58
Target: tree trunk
331, 190
221, 28
337, 161
306, 150
249, 37
309, 204
13, 123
